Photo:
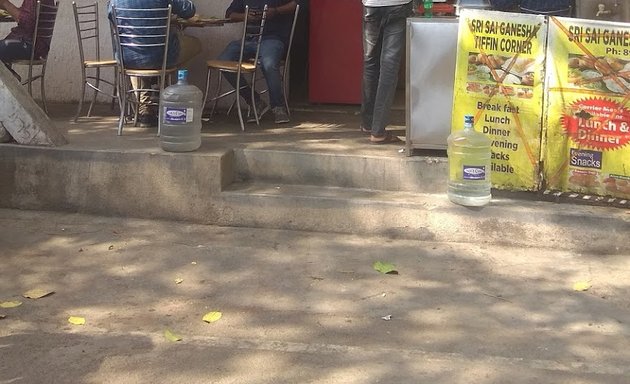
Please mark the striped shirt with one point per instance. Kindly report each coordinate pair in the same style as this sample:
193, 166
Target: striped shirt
145, 57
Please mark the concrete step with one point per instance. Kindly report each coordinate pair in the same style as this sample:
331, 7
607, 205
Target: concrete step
420, 174
425, 216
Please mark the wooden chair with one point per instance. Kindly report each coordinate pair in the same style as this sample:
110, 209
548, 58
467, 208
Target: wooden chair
44, 26
134, 29
242, 66
86, 20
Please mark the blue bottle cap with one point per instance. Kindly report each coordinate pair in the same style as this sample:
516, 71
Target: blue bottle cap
182, 74
469, 119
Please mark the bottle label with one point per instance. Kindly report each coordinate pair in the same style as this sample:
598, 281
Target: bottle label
178, 115
474, 172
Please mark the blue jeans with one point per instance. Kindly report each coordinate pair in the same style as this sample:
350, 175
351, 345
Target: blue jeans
270, 54
11, 49
383, 44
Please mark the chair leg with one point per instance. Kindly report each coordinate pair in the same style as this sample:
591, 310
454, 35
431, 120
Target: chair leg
207, 89
216, 94
122, 102
116, 92
285, 89
81, 97
252, 99
96, 86
238, 104
42, 85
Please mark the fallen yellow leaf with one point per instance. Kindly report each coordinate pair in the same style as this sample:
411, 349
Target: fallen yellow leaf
76, 320
211, 317
170, 336
10, 304
37, 293
179, 281
581, 286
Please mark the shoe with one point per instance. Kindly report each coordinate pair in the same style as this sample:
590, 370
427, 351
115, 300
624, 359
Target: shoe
281, 115
261, 108
365, 131
147, 121
388, 138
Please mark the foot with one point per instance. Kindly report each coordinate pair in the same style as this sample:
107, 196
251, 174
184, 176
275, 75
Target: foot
281, 115
366, 131
387, 138
261, 108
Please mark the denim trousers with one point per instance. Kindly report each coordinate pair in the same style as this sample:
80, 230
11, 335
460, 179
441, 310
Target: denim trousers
383, 45
14, 50
270, 54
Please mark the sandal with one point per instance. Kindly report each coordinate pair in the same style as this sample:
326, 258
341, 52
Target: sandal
388, 138
366, 131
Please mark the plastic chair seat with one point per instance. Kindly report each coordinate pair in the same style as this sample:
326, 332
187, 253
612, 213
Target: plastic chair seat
226, 65
148, 72
102, 63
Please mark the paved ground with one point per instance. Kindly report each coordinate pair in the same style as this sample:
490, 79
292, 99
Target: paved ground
299, 307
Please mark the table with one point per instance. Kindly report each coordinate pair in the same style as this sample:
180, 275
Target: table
201, 22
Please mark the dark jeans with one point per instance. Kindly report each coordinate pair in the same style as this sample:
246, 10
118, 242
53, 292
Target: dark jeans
383, 46
270, 54
14, 50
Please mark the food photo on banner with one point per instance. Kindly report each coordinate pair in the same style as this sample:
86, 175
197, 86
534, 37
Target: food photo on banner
587, 125
499, 79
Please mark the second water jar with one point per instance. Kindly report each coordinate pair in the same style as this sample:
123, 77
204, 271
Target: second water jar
469, 159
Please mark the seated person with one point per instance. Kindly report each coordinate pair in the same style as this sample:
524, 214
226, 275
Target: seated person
273, 47
18, 43
181, 49
543, 7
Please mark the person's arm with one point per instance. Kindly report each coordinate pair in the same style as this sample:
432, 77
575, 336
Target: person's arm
11, 9
287, 8
183, 8
236, 11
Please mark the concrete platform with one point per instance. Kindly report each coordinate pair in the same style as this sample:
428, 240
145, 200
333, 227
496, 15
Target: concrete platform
318, 173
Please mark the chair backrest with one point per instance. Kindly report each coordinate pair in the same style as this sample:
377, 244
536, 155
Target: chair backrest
45, 16
252, 31
86, 21
142, 33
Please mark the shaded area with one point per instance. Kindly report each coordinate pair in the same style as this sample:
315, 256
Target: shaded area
301, 307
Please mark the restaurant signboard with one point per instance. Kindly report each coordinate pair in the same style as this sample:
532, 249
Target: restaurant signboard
500, 80
587, 125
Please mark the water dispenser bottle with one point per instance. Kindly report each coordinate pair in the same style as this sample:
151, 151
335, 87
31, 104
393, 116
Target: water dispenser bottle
181, 106
469, 166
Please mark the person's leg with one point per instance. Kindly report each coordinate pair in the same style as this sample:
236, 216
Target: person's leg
147, 114
271, 52
393, 43
14, 50
231, 53
371, 63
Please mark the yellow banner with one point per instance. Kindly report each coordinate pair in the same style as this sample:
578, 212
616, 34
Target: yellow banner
499, 79
588, 118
